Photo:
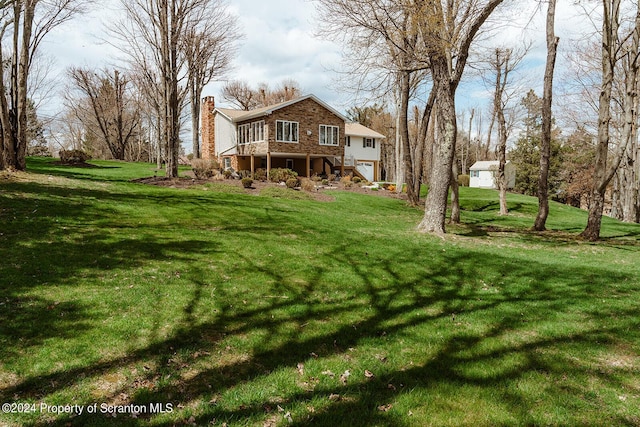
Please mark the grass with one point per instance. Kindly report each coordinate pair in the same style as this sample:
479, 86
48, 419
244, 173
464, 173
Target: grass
259, 311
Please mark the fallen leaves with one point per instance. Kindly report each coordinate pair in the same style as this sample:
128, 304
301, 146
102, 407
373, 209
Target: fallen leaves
344, 377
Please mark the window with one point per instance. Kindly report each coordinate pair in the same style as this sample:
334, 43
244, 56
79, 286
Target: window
474, 174
227, 162
369, 143
347, 141
286, 131
329, 135
243, 134
258, 131
251, 132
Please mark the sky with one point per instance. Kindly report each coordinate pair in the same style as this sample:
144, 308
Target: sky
279, 43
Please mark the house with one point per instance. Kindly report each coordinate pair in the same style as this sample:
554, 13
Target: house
483, 174
304, 134
362, 150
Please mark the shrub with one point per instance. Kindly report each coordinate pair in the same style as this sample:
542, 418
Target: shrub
316, 178
73, 156
204, 168
346, 181
356, 180
463, 180
292, 183
325, 182
247, 182
391, 188
281, 174
332, 177
307, 184
260, 174
227, 173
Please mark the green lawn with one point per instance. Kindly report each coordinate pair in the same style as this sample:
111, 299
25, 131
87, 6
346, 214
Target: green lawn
231, 309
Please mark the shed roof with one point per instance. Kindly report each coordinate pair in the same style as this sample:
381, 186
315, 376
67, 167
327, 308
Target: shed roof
485, 165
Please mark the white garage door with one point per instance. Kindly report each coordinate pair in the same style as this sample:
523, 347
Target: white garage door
366, 170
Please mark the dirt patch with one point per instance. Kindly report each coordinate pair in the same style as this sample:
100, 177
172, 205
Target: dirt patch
322, 193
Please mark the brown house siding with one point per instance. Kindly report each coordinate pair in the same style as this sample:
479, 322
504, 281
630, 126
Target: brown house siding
310, 115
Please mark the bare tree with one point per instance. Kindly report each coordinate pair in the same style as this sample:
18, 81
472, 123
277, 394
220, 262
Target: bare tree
448, 32
613, 50
209, 46
545, 143
153, 35
113, 114
503, 62
385, 57
240, 94
27, 22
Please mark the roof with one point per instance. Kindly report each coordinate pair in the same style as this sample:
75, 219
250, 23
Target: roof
240, 115
485, 165
356, 129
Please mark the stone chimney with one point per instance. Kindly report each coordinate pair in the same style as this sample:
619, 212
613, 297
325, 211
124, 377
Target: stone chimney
207, 129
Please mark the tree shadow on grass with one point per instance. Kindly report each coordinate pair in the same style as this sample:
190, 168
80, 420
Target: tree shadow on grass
362, 401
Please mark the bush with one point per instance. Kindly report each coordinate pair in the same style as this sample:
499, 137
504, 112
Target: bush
292, 183
325, 182
307, 184
356, 180
247, 182
260, 174
204, 168
346, 181
227, 173
73, 156
281, 175
463, 180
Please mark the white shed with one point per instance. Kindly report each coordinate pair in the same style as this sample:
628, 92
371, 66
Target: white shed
483, 174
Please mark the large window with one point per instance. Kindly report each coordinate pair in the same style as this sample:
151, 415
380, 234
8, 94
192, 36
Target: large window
286, 131
251, 132
329, 135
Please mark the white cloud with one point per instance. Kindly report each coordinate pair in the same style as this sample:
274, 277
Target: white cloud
280, 44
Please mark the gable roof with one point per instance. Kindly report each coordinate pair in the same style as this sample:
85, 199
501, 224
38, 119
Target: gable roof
356, 129
485, 165
240, 115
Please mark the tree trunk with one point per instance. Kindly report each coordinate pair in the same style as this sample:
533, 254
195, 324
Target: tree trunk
195, 120
545, 143
403, 122
455, 193
400, 172
603, 171
436, 204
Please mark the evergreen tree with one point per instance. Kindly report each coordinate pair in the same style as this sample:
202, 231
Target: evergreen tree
37, 144
526, 154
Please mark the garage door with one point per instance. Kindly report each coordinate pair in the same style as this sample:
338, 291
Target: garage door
366, 170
